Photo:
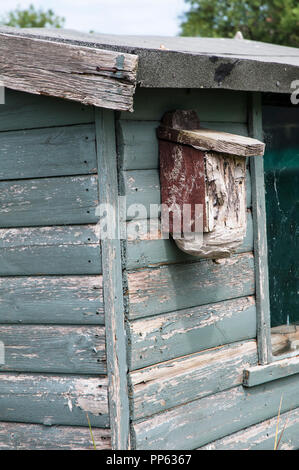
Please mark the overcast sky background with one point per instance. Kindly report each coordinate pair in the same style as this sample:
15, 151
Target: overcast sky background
150, 17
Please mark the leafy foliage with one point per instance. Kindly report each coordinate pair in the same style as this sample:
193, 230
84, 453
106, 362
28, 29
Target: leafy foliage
275, 21
32, 18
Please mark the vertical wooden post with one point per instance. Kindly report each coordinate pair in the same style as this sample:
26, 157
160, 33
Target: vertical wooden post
260, 235
112, 284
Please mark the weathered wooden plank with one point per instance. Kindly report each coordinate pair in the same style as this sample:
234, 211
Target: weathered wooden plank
27, 111
257, 375
138, 143
56, 151
172, 383
48, 201
57, 349
163, 337
210, 139
143, 187
52, 300
260, 236
89, 75
50, 250
54, 400
262, 436
16, 436
150, 105
169, 288
149, 248
202, 421
116, 343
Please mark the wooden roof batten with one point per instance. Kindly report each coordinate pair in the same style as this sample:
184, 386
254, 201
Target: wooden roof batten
89, 75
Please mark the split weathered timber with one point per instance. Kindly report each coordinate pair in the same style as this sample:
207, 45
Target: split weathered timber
184, 379
208, 419
138, 144
56, 151
217, 141
48, 201
54, 400
72, 249
145, 245
113, 285
260, 236
160, 289
17, 436
25, 111
163, 337
66, 300
257, 375
262, 436
54, 349
89, 75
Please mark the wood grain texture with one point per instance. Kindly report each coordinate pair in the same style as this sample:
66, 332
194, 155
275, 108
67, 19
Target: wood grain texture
262, 436
172, 383
88, 75
150, 105
161, 290
50, 250
52, 300
55, 349
145, 247
200, 422
212, 140
143, 187
16, 436
48, 201
54, 400
56, 151
138, 143
163, 337
113, 286
276, 370
260, 236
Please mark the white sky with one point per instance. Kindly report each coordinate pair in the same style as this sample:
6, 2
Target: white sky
153, 17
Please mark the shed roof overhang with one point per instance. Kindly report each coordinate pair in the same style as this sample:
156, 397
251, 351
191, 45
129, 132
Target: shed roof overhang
105, 66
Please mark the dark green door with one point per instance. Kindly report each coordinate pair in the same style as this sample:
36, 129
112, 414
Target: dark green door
281, 128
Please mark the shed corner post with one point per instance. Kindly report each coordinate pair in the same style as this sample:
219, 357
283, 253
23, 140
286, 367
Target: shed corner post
255, 128
112, 284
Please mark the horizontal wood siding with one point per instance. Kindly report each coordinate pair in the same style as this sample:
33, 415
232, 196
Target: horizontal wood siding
54, 400
50, 250
200, 422
56, 151
262, 435
160, 290
16, 436
144, 248
64, 300
59, 349
48, 201
168, 384
175, 334
211, 105
51, 287
27, 111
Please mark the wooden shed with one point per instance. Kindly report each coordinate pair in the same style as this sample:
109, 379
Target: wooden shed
160, 349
